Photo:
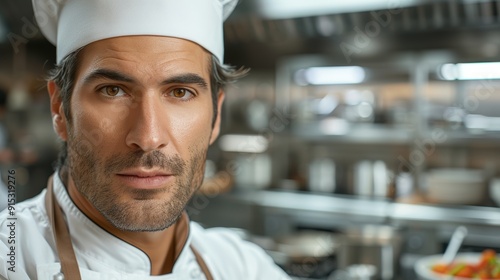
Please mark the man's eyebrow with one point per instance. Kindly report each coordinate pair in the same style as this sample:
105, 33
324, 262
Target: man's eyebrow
188, 78
108, 74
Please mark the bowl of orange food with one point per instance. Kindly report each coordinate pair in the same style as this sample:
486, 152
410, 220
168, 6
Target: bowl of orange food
466, 266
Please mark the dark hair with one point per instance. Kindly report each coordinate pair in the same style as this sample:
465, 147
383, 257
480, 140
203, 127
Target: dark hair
64, 73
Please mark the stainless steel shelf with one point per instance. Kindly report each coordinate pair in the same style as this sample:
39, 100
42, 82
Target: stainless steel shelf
387, 134
376, 210
471, 215
354, 133
314, 202
462, 137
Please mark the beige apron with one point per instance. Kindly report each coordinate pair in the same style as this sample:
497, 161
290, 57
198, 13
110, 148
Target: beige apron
67, 257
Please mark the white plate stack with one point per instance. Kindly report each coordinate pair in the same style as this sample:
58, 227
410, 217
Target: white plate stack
456, 186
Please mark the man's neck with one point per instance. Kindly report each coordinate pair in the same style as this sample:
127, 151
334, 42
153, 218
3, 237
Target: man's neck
158, 245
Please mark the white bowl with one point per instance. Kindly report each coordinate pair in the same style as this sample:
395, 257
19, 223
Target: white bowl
456, 186
423, 266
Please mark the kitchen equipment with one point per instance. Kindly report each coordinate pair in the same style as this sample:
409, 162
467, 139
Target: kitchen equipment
372, 245
456, 186
455, 242
494, 190
371, 179
363, 178
253, 171
322, 175
307, 253
355, 272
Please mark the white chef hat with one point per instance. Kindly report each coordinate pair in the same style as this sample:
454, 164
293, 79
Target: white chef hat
71, 24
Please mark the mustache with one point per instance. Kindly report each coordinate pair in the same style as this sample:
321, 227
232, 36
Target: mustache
149, 160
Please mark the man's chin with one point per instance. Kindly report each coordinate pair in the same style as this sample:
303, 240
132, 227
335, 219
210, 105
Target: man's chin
134, 226
144, 228
142, 216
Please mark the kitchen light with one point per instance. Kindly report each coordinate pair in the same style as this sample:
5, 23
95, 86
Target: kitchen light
243, 143
482, 123
470, 71
330, 75
282, 9
334, 126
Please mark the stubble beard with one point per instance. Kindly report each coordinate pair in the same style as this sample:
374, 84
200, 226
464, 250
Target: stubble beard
93, 174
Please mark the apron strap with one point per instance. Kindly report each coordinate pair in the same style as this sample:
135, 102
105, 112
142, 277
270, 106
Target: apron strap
67, 257
201, 263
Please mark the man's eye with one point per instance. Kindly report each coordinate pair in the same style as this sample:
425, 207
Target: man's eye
112, 91
182, 93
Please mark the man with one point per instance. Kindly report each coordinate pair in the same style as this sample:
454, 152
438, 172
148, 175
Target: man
6, 154
136, 98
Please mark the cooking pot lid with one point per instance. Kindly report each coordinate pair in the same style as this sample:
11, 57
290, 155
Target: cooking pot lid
308, 244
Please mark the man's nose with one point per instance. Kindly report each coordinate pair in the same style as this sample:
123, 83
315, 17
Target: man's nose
148, 129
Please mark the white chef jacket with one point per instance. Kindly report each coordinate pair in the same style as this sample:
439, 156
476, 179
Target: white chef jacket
102, 256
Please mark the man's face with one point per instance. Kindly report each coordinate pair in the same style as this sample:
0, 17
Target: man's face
141, 124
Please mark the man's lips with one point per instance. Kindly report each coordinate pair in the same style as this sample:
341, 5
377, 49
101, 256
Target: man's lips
145, 179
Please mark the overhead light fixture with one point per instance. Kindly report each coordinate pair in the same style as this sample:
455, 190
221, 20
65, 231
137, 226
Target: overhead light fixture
243, 143
470, 71
330, 75
282, 9
334, 126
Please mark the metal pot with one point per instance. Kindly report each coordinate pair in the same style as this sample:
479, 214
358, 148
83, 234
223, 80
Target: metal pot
308, 254
355, 272
371, 245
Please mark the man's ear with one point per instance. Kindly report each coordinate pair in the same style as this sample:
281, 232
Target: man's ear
59, 121
216, 128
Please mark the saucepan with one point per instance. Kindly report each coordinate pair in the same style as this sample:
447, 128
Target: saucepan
307, 253
376, 245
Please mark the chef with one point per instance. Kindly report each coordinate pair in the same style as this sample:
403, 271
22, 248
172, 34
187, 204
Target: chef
136, 97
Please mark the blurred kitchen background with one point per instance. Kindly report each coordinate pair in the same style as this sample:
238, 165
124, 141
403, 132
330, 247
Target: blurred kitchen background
365, 133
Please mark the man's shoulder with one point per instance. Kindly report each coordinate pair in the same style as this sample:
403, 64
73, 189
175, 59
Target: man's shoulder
24, 229
231, 255
217, 244
25, 211
217, 239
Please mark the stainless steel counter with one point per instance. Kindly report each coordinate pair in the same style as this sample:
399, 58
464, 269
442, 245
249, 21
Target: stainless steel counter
272, 212
373, 209
425, 229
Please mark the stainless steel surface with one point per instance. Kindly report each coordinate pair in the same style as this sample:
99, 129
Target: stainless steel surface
307, 253
308, 244
405, 147
488, 216
376, 245
322, 175
377, 210
424, 229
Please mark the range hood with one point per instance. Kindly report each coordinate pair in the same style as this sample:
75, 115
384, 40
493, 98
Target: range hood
262, 30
